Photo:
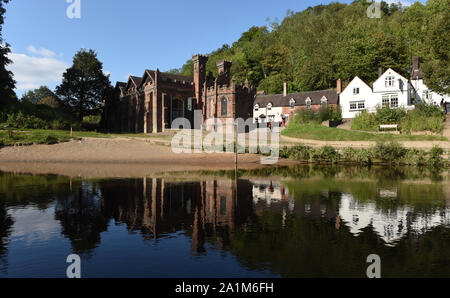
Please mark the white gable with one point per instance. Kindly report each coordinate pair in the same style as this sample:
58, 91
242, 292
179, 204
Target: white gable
390, 81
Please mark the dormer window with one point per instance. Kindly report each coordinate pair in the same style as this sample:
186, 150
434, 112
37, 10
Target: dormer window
292, 104
256, 108
308, 103
389, 81
269, 106
324, 102
355, 91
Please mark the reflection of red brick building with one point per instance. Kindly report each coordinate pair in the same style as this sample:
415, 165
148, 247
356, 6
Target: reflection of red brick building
150, 103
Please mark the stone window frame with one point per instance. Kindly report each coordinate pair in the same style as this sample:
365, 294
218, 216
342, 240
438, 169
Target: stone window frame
224, 108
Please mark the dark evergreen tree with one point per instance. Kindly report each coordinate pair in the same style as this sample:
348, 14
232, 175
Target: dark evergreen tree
7, 83
84, 85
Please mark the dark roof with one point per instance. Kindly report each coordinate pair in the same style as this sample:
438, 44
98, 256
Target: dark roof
136, 80
170, 76
279, 100
121, 84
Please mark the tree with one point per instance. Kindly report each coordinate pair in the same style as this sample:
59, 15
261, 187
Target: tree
84, 85
36, 96
437, 64
7, 83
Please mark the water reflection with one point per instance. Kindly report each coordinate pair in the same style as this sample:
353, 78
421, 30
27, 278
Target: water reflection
305, 224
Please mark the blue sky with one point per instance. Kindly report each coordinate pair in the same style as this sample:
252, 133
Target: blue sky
129, 36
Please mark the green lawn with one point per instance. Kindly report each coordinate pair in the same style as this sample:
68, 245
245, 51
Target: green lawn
49, 136
322, 133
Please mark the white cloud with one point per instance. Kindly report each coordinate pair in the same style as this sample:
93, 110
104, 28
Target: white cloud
41, 52
40, 68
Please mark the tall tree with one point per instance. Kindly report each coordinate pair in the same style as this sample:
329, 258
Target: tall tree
37, 96
84, 85
7, 83
437, 64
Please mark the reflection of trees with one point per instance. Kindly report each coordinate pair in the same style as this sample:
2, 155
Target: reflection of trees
6, 223
81, 218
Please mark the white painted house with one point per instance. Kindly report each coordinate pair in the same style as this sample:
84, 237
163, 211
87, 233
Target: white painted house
389, 90
423, 92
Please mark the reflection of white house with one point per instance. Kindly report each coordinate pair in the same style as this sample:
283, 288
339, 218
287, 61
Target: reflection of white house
270, 193
423, 92
391, 226
389, 90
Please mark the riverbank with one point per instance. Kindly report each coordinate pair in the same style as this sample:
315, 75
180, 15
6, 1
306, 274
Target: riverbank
115, 157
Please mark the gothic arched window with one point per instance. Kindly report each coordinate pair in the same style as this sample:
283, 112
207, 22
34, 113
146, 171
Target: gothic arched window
224, 106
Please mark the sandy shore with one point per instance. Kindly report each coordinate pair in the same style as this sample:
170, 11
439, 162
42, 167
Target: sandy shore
93, 158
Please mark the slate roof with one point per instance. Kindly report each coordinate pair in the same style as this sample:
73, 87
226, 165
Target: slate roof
279, 100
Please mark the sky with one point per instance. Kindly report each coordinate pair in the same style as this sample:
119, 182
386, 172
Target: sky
129, 36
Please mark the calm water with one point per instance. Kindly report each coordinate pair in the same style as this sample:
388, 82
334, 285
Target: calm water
298, 222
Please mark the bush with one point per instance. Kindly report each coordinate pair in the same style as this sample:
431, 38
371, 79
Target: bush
426, 117
326, 154
361, 156
323, 114
365, 121
389, 152
435, 158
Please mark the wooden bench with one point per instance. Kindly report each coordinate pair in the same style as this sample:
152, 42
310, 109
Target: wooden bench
390, 126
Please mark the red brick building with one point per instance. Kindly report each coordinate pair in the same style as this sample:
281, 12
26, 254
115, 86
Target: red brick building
150, 103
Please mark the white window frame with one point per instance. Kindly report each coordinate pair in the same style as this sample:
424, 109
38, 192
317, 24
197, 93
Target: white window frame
389, 81
269, 106
356, 91
359, 105
292, 104
308, 103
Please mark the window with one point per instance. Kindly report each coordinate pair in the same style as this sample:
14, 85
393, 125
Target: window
224, 106
386, 101
256, 108
357, 105
394, 101
355, 91
308, 103
389, 81
324, 102
390, 101
269, 106
292, 104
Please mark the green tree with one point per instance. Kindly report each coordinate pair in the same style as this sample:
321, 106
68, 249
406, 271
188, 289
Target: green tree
7, 83
84, 85
437, 62
36, 96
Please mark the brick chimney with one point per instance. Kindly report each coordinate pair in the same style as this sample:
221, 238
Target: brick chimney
380, 71
285, 89
339, 86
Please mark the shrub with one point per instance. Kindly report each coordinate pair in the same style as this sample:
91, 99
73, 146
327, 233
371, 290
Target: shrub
362, 156
389, 116
326, 154
302, 153
415, 157
389, 152
365, 121
435, 158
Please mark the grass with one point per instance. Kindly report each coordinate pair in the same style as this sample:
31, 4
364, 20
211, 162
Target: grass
323, 133
24, 137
